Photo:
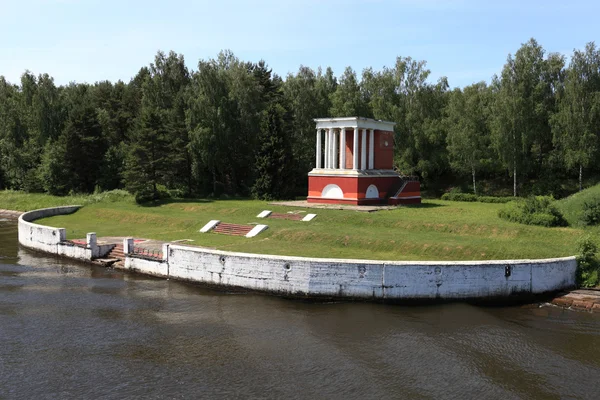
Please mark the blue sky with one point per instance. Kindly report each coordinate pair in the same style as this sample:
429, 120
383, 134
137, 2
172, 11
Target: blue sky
467, 41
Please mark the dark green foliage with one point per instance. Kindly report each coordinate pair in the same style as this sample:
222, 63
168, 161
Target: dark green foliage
203, 132
454, 196
457, 196
273, 158
588, 265
494, 199
591, 212
534, 210
146, 162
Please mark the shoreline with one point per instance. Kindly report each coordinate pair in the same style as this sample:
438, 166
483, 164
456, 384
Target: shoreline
319, 278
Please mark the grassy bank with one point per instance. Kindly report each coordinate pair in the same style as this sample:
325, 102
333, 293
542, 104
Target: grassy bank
436, 230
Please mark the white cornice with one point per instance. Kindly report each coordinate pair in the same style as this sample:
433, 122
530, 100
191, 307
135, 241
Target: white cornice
354, 122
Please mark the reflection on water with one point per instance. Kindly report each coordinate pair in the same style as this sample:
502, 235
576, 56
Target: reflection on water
68, 330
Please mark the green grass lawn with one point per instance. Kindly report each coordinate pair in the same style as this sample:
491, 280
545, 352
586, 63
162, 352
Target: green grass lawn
436, 230
572, 206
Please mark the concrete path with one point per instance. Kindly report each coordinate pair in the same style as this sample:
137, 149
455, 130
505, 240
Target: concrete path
9, 214
306, 204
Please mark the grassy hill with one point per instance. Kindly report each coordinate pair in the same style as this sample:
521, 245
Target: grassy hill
572, 206
436, 230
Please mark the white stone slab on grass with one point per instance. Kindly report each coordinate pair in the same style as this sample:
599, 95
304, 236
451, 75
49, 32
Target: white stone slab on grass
264, 214
309, 217
210, 226
256, 230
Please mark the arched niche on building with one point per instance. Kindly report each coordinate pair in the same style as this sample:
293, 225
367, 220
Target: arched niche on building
332, 191
372, 192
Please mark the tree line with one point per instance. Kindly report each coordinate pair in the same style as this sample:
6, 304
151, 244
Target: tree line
234, 127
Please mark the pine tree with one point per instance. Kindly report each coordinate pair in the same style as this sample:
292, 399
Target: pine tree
273, 157
147, 162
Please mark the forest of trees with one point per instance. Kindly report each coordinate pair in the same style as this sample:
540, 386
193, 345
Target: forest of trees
234, 127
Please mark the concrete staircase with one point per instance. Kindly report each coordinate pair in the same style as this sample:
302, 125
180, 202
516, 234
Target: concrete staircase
293, 217
115, 256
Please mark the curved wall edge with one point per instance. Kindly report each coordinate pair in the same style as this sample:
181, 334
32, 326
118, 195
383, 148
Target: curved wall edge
324, 277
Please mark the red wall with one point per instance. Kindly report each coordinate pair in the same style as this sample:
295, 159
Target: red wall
352, 186
411, 189
349, 146
384, 155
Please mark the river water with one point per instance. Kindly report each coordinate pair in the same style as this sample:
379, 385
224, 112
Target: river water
69, 330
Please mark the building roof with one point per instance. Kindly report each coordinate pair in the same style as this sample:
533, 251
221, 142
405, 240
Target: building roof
354, 122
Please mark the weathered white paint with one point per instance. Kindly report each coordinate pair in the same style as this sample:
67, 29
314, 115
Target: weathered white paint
334, 151
128, 245
309, 217
264, 214
371, 148
332, 191
355, 150
210, 225
53, 240
343, 148
339, 278
372, 192
363, 150
256, 230
147, 266
318, 152
364, 279
354, 122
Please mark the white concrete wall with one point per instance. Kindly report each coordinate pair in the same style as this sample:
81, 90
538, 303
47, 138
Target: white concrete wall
301, 276
298, 276
146, 266
51, 240
42, 237
73, 251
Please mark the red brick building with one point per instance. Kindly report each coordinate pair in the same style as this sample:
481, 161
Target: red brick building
355, 164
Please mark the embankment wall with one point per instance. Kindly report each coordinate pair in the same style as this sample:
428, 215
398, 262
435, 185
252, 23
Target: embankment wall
54, 240
325, 277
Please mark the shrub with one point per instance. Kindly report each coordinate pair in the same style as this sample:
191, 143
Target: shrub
111, 196
493, 199
146, 194
591, 212
457, 196
534, 210
588, 267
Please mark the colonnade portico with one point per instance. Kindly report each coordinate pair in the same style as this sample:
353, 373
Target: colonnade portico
354, 164
334, 153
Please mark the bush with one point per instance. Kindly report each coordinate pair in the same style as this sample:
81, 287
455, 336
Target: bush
588, 267
492, 199
147, 194
111, 196
457, 196
534, 210
591, 212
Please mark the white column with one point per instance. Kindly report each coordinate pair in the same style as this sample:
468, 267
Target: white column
335, 147
326, 148
371, 148
330, 152
343, 148
363, 150
318, 162
355, 150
